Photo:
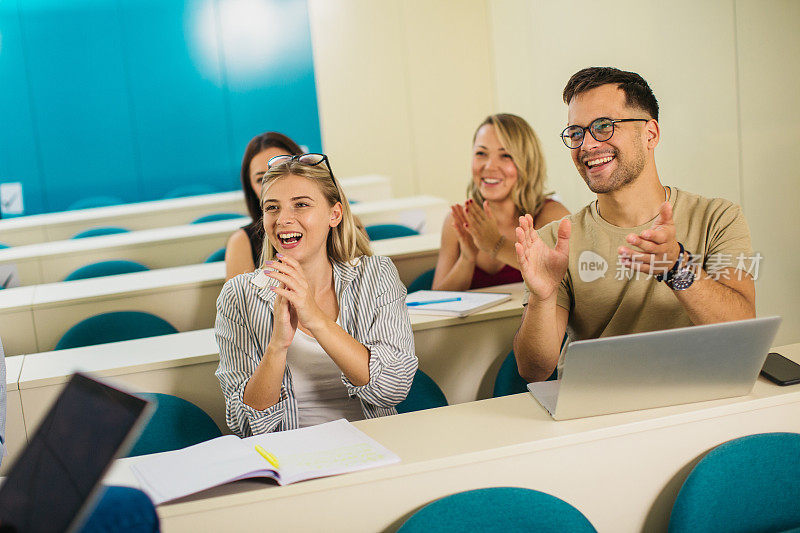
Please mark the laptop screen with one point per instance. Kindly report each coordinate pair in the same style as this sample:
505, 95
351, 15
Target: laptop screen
66, 458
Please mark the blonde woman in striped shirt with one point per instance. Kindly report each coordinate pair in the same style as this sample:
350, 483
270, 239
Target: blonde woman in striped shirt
320, 331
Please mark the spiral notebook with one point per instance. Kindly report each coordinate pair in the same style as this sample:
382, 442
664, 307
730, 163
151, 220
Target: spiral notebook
324, 450
453, 303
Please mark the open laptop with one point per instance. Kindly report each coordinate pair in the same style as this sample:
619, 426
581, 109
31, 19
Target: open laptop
52, 484
658, 368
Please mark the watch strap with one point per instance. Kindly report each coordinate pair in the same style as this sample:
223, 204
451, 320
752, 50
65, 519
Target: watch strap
665, 276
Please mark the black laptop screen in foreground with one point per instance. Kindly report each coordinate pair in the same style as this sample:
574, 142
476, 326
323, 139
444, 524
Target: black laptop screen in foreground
66, 458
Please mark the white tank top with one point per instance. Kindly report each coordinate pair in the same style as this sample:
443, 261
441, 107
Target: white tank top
316, 380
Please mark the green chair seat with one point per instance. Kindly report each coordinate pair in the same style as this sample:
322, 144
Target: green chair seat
176, 423
423, 282
508, 380
106, 268
114, 327
748, 484
216, 217
219, 255
99, 232
500, 510
379, 232
424, 394
95, 201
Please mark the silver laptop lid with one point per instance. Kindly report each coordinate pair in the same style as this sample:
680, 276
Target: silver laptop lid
660, 368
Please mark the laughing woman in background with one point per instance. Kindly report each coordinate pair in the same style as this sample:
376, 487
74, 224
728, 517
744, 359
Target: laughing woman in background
508, 175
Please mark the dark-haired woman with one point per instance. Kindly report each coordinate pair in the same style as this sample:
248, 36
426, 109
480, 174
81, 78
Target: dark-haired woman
243, 250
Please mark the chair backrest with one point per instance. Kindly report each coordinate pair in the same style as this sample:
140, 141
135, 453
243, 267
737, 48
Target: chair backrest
106, 268
113, 327
95, 201
122, 509
423, 282
379, 232
508, 380
175, 424
498, 509
97, 232
219, 255
216, 217
189, 190
748, 484
424, 394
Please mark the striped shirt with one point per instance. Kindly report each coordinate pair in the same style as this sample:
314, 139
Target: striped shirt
371, 309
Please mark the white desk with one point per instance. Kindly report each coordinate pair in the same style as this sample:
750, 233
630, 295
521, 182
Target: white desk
16, 320
15, 434
156, 248
158, 213
32, 319
622, 471
191, 243
183, 364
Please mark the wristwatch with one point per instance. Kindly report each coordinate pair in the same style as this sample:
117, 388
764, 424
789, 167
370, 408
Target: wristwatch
680, 277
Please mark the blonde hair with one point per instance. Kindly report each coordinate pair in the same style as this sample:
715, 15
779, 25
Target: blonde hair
521, 142
345, 241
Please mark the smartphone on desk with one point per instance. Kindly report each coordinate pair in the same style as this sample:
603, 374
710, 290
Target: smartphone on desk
781, 370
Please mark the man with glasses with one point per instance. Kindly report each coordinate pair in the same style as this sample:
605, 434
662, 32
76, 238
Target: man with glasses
642, 256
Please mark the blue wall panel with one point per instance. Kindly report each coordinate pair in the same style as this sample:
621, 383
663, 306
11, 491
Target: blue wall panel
271, 82
81, 104
19, 161
179, 110
134, 98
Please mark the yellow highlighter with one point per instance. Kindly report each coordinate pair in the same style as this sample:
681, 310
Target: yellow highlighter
271, 459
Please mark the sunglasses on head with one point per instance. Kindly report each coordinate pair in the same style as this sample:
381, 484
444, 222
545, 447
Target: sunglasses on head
311, 160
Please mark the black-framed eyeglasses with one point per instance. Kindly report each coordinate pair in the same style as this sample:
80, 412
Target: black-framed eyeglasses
311, 160
601, 129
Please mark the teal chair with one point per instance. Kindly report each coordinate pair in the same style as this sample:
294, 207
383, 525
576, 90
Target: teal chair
99, 232
508, 380
189, 190
122, 510
423, 282
379, 232
106, 268
95, 201
748, 484
113, 327
175, 424
424, 394
216, 217
500, 510
219, 255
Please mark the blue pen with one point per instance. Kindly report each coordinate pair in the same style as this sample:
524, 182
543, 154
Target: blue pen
443, 301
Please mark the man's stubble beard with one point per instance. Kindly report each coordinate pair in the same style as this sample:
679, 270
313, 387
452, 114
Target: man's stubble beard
625, 174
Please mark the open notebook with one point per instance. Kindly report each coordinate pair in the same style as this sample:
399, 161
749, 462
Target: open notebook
452, 303
317, 451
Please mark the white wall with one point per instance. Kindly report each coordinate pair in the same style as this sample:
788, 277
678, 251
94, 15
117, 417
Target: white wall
722, 74
539, 45
768, 35
402, 85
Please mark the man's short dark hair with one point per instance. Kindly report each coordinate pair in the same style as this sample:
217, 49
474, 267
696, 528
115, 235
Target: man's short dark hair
637, 92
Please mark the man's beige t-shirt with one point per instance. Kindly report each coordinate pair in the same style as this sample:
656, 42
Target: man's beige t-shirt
605, 298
